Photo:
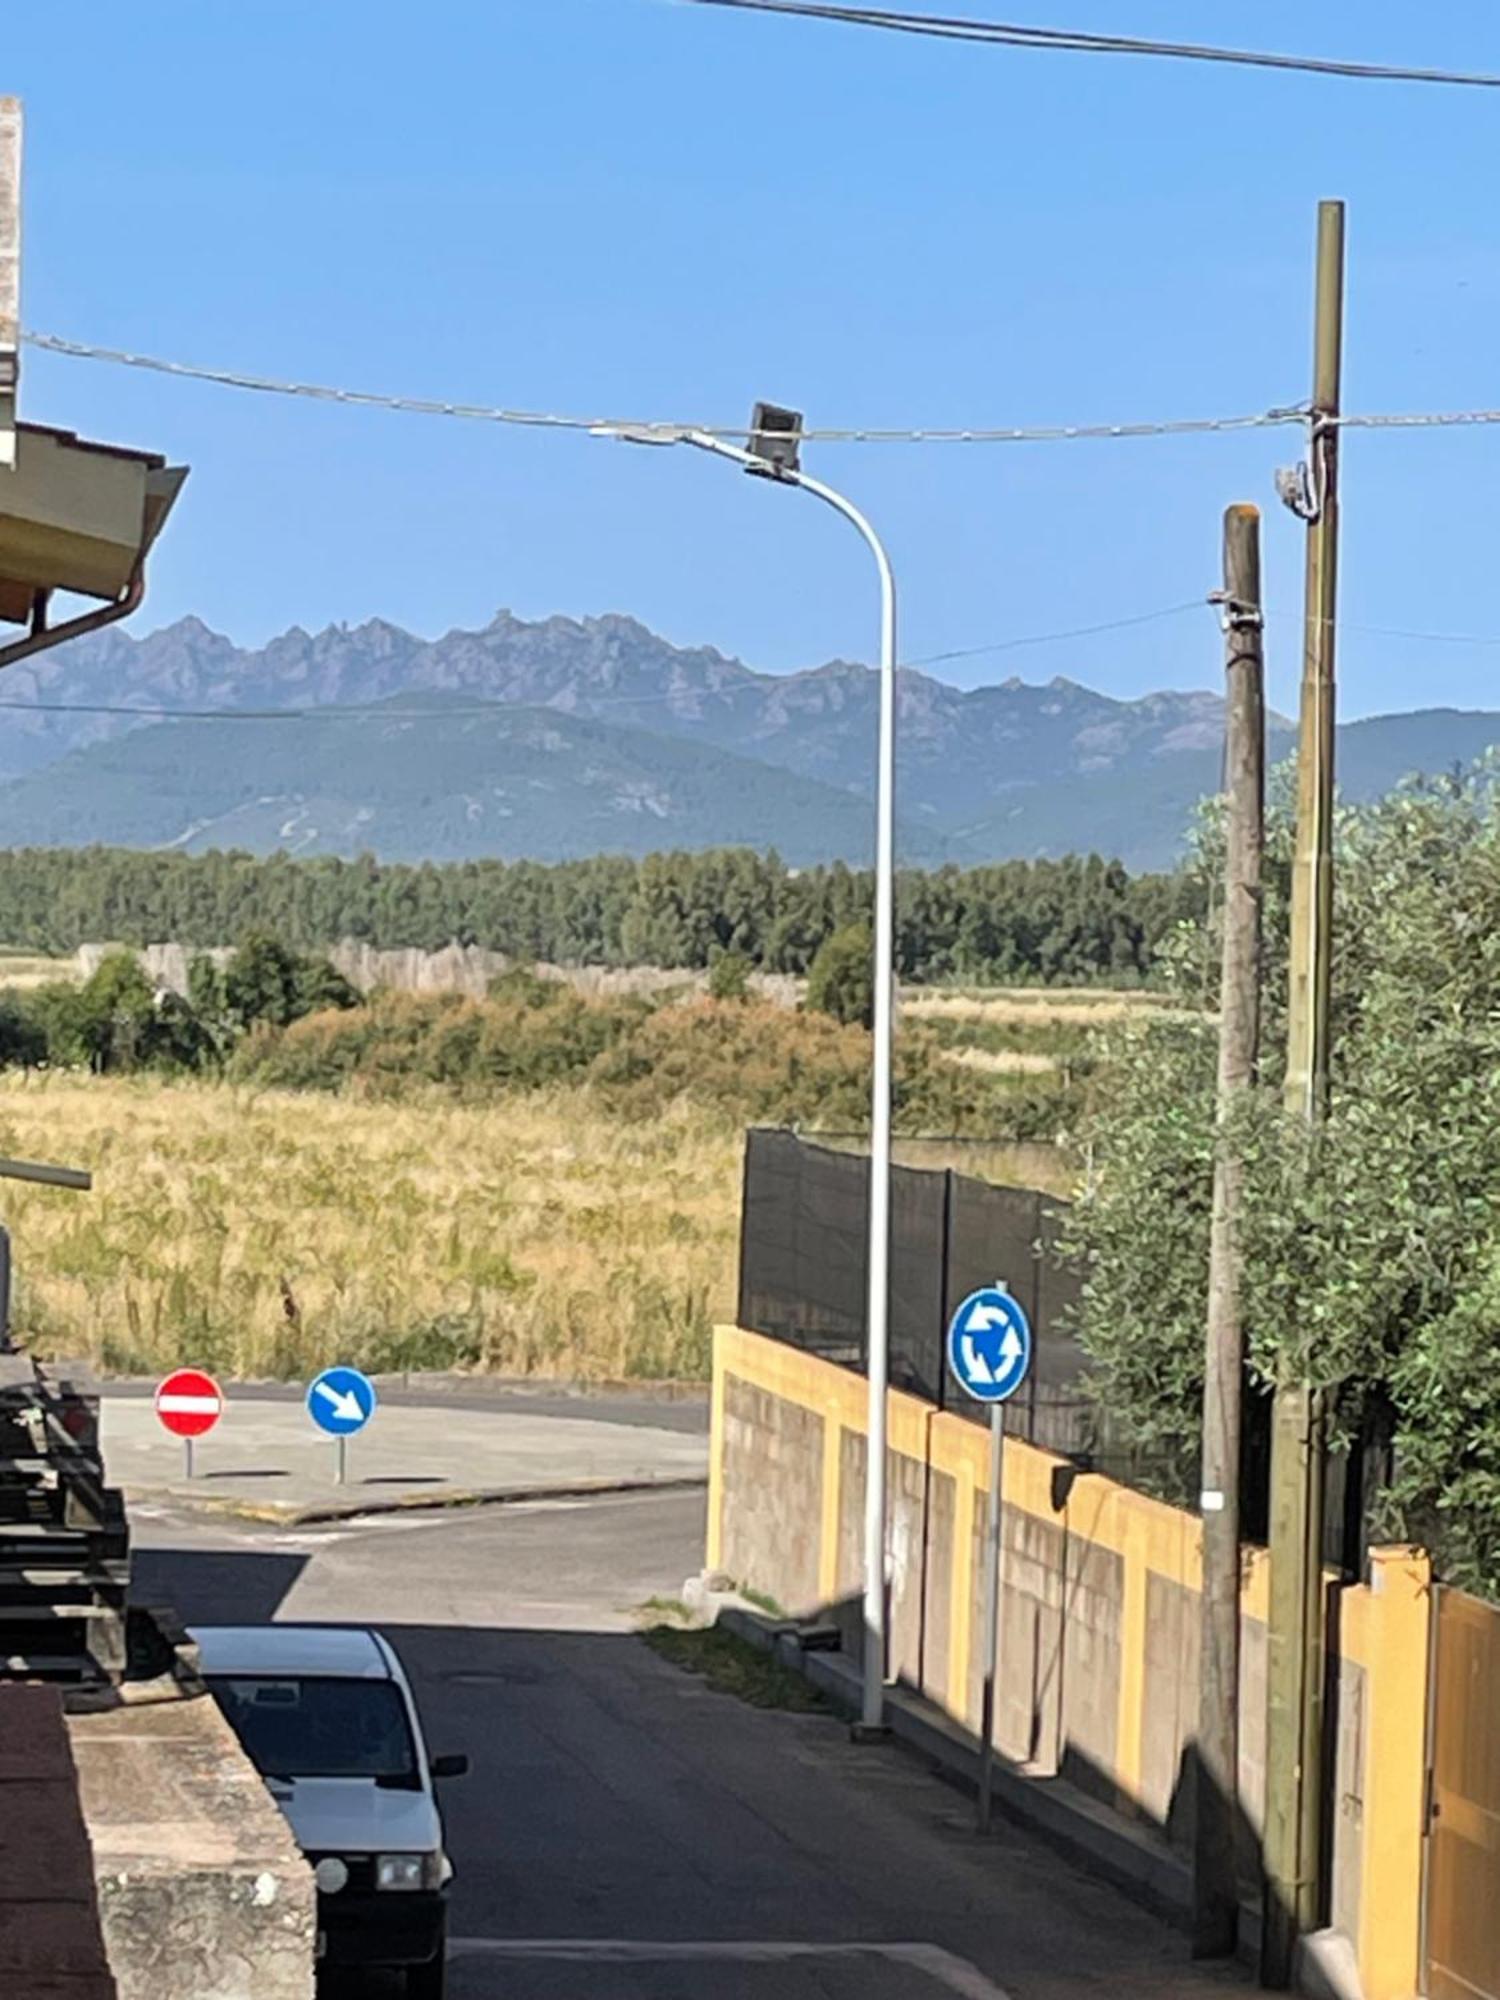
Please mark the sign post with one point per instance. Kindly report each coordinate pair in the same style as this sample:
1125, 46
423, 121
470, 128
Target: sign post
189, 1404
341, 1402
989, 1356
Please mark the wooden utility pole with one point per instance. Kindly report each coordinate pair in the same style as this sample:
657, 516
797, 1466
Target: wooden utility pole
1215, 1875
1295, 1666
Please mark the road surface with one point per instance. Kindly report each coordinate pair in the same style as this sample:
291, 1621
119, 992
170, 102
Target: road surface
628, 1835
422, 1447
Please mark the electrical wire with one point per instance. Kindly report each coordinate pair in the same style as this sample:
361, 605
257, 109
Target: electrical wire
652, 430
660, 430
1006, 34
1053, 638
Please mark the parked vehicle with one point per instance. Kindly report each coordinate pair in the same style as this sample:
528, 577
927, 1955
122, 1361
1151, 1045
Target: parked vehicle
327, 1717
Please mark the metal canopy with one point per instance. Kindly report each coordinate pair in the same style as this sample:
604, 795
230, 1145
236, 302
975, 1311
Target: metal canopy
75, 516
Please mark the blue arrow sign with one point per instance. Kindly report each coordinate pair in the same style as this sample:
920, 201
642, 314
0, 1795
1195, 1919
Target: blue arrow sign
341, 1401
989, 1346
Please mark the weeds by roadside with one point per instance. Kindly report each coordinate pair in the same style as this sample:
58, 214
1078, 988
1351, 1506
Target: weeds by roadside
732, 1666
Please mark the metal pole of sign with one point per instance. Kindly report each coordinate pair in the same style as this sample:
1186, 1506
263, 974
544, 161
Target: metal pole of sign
992, 1549
343, 1460
187, 1452
989, 1355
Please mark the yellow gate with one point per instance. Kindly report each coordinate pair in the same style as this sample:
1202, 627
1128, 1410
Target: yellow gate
1463, 1842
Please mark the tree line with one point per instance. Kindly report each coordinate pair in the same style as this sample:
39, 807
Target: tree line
1075, 920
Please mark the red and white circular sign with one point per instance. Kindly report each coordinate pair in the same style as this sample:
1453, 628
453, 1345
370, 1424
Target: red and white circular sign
189, 1403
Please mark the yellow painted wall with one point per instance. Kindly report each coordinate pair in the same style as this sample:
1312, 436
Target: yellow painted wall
1383, 1627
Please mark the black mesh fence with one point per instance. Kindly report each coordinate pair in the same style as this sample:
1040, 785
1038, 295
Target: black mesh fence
803, 1271
803, 1277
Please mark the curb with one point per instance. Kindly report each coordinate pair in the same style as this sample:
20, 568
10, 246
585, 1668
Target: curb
452, 1501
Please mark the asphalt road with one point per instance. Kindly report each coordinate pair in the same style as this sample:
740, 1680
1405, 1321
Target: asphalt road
625, 1832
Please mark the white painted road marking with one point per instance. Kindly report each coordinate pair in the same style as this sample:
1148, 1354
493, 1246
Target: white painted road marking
956, 1975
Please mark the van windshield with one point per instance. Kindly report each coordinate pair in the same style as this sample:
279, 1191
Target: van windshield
320, 1727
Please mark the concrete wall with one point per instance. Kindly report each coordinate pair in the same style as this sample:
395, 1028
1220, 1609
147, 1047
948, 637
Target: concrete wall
202, 1892
1098, 1618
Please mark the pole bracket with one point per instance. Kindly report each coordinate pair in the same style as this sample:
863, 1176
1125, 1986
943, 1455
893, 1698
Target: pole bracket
1235, 614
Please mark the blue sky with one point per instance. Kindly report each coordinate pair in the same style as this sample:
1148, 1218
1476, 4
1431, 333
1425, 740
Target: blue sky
649, 208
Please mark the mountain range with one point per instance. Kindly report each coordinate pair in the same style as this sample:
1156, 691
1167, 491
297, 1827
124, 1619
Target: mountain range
566, 736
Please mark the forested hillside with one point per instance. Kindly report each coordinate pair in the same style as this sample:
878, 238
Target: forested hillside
1074, 920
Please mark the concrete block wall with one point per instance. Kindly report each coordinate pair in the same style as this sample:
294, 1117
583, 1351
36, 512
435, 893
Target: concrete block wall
1098, 1634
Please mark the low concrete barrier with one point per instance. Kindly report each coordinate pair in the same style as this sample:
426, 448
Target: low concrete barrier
202, 1892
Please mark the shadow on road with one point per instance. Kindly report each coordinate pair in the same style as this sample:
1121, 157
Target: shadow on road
616, 1805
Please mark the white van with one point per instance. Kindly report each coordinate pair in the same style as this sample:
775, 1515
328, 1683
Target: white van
326, 1716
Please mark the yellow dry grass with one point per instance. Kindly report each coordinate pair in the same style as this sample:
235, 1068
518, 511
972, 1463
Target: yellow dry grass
1003, 1062
1063, 1006
25, 970
268, 1234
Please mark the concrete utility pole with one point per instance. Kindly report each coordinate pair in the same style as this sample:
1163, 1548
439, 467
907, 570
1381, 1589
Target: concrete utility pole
1215, 1877
1294, 1717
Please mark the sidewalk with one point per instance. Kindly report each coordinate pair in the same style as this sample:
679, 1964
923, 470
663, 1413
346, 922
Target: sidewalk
266, 1460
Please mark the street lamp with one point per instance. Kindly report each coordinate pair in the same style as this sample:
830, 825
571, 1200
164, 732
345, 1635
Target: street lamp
773, 452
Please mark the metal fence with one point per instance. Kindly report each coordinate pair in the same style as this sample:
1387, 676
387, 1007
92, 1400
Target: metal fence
803, 1247
803, 1271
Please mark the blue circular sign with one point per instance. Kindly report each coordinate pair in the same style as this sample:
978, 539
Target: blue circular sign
989, 1345
341, 1401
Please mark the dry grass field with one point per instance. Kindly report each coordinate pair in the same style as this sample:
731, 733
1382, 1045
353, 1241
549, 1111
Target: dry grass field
1034, 1006
26, 970
269, 1233
570, 1229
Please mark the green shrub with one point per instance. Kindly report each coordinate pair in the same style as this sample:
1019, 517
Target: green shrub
729, 976
840, 980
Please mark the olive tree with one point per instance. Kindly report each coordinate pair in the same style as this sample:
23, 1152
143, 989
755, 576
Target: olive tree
1372, 1246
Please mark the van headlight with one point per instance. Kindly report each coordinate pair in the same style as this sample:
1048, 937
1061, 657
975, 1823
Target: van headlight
408, 1871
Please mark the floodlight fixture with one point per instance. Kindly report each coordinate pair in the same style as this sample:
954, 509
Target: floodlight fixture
775, 441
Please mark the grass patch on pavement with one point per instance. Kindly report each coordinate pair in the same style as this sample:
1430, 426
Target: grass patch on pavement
733, 1666
763, 1601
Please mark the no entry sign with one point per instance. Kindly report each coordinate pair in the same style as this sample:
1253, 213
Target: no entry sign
189, 1403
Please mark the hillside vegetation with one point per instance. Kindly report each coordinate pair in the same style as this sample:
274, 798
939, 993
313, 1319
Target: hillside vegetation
559, 737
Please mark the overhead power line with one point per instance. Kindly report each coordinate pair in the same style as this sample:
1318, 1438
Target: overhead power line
1007, 34
665, 429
